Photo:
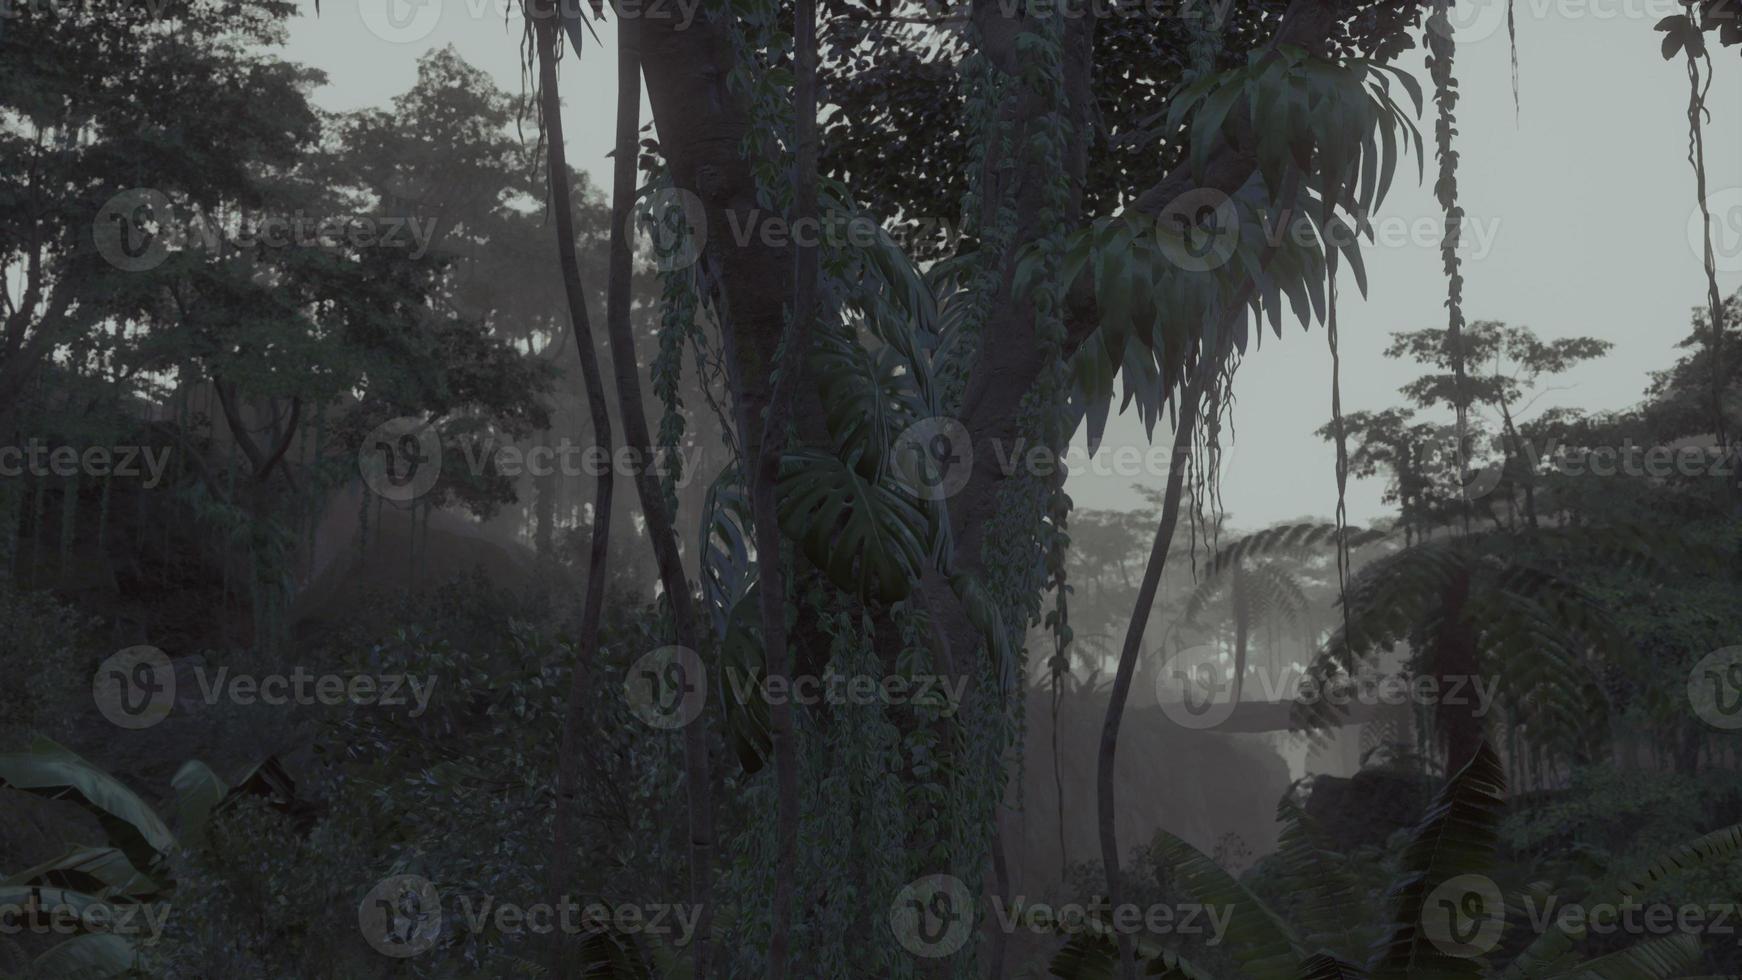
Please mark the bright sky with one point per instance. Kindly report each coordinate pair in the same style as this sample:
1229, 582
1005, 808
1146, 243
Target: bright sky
1579, 212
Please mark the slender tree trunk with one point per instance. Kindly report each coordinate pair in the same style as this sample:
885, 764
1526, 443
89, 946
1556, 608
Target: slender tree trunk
544, 509
660, 531
1242, 627
574, 718
1191, 397
771, 577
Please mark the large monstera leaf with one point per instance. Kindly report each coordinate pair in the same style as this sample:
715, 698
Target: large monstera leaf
868, 537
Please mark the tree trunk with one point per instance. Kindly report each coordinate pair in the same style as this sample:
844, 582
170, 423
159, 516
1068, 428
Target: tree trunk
1189, 399
1242, 626
659, 520
1461, 726
771, 576
574, 718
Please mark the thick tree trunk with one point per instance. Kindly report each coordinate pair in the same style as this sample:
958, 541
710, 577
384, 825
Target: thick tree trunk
1461, 726
771, 576
697, 769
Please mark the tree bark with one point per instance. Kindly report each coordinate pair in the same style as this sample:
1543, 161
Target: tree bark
771, 576
1190, 397
660, 530
574, 718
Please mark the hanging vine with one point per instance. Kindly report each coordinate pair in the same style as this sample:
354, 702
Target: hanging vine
1442, 50
1684, 35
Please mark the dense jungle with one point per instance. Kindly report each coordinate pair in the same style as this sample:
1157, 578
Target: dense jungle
900, 489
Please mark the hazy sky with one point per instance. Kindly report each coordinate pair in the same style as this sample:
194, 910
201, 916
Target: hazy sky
1579, 215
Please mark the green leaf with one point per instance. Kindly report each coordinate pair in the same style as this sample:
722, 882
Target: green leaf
97, 870
87, 957
198, 792
1656, 959
867, 537
1264, 945
1457, 836
52, 771
1550, 946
